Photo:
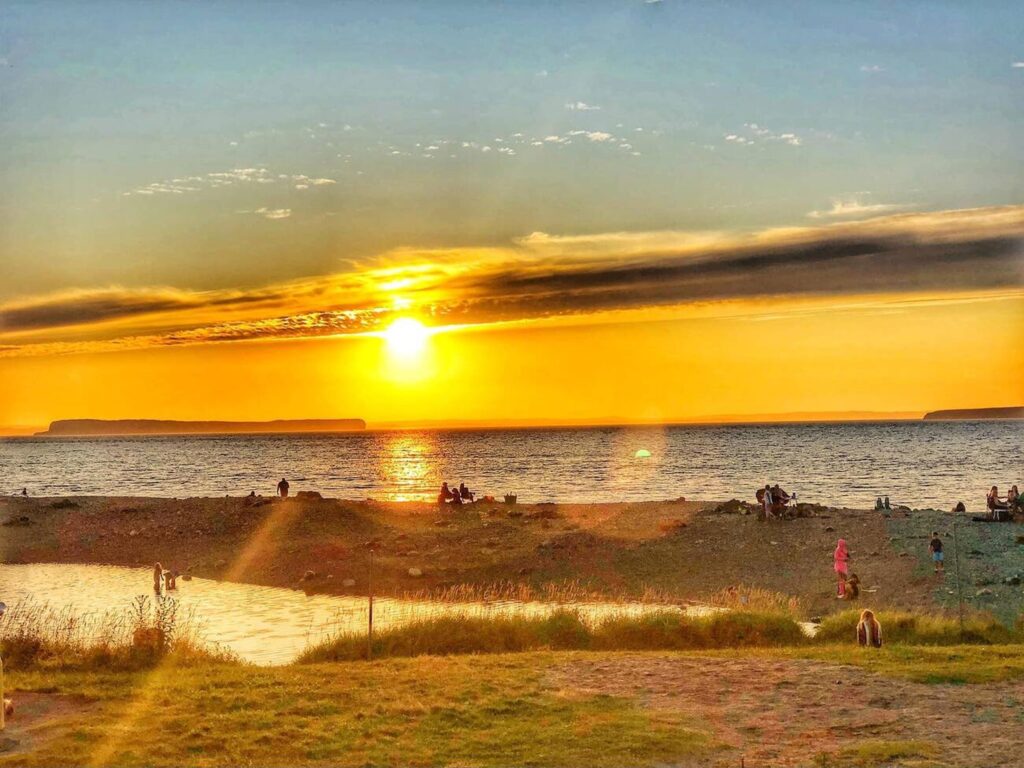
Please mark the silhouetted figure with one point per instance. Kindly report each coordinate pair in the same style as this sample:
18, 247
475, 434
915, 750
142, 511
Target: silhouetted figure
445, 494
158, 578
879, 506
465, 493
887, 503
24, 491
282, 488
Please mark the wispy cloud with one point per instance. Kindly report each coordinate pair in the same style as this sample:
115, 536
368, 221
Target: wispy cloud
754, 133
545, 276
581, 106
1018, 65
871, 68
274, 213
855, 207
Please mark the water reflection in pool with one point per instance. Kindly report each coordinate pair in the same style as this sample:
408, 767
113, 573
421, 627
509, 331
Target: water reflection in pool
265, 625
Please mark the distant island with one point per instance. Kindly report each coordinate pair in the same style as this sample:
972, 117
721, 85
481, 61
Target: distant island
973, 414
86, 427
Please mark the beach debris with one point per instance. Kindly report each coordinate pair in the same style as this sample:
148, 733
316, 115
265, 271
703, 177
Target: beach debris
415, 572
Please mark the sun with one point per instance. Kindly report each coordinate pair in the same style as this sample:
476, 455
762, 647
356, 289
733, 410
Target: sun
406, 337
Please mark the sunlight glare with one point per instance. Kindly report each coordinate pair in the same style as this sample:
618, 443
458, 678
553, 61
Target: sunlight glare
406, 337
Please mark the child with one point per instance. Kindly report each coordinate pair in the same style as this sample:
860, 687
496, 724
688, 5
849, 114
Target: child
840, 560
935, 547
869, 631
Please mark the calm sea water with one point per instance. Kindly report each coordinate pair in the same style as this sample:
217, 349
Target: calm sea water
915, 463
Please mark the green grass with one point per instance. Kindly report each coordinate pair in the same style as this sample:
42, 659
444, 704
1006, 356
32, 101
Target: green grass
489, 711
960, 664
565, 631
871, 754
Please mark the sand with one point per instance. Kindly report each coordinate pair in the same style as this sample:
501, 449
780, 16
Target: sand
681, 549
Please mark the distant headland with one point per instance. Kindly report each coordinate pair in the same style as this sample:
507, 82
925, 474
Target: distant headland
85, 427
973, 414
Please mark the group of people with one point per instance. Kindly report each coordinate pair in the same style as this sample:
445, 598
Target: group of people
869, 630
1002, 510
460, 495
164, 580
774, 500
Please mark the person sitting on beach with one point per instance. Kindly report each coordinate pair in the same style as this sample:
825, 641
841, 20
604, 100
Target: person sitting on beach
282, 488
445, 494
840, 562
456, 497
464, 492
960, 507
997, 506
878, 504
886, 503
851, 590
869, 631
1013, 499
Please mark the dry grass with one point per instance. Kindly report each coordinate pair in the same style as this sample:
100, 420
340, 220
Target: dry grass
33, 634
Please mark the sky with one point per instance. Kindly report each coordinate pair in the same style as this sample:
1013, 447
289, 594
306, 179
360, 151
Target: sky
597, 210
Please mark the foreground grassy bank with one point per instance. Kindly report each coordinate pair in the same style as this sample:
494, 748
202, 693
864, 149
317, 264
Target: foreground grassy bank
543, 709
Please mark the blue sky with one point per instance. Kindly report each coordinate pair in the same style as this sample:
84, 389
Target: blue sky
565, 118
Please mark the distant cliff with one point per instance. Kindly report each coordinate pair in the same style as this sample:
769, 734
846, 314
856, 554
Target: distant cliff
82, 427
970, 414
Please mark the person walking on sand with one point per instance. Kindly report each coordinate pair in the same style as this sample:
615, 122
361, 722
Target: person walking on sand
869, 631
840, 561
935, 547
282, 488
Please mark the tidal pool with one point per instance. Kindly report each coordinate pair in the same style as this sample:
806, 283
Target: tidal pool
263, 625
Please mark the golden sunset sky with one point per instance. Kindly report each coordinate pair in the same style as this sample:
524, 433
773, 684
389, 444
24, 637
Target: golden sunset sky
600, 212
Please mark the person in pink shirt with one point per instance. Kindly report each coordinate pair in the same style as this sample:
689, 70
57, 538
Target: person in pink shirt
841, 559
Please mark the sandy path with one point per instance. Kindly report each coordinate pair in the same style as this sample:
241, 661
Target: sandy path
786, 712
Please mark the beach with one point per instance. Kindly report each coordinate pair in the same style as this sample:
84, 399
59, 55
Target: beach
674, 550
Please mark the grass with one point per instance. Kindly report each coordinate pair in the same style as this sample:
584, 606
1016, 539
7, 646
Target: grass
34, 634
462, 710
876, 753
564, 630
917, 629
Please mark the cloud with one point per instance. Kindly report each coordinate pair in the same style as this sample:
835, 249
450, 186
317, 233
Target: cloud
581, 106
871, 68
275, 213
546, 275
753, 133
599, 136
1018, 65
855, 207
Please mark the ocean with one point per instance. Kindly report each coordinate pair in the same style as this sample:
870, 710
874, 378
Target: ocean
920, 464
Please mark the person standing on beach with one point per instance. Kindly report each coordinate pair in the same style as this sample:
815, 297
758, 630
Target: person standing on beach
935, 547
282, 488
840, 561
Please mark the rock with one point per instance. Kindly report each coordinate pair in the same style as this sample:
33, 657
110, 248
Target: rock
1020, 539
220, 563
308, 575
133, 532
984, 593
22, 520
515, 513
815, 619
415, 572
309, 495
830, 529
1013, 581
348, 583
186, 577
